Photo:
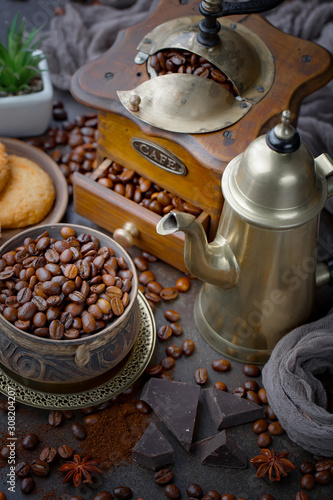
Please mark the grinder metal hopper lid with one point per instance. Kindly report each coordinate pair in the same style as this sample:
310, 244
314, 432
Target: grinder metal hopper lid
188, 103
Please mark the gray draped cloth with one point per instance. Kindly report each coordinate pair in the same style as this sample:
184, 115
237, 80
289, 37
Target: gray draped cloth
296, 396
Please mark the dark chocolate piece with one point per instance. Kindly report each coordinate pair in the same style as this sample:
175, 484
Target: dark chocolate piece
228, 410
153, 450
176, 404
220, 451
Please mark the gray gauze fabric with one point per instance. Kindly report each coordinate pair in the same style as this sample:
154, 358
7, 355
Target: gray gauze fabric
296, 396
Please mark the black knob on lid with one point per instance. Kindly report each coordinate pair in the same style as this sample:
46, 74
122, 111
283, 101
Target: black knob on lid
284, 138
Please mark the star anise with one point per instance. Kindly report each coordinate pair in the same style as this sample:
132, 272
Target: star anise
78, 469
275, 465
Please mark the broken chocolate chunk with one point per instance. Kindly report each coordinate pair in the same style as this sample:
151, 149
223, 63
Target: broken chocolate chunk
220, 451
153, 450
176, 404
227, 410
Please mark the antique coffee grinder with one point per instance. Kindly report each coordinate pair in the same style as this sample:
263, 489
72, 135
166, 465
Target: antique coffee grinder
260, 272
181, 94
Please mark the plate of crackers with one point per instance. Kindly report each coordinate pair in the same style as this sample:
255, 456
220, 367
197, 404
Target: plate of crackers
33, 190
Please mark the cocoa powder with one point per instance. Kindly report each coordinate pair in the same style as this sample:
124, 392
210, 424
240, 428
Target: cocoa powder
111, 440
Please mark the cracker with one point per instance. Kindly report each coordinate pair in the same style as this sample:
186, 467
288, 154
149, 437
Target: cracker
4, 167
28, 196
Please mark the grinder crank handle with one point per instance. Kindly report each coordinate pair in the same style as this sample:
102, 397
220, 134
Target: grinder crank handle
212, 9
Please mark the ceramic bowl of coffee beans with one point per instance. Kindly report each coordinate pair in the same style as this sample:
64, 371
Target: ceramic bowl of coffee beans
68, 306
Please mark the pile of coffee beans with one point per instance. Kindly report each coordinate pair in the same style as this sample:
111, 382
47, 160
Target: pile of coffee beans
141, 190
320, 472
63, 288
171, 61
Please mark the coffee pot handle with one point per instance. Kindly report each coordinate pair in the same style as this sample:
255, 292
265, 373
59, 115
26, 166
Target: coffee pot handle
324, 273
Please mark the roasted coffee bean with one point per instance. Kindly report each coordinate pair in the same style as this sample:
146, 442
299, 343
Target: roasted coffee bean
239, 392
5, 452
183, 284
260, 426
264, 440
201, 376
221, 365
262, 395
65, 451
306, 468
253, 397
167, 363
270, 414
103, 495
308, 482
276, 429
172, 492
123, 492
146, 277
267, 496
324, 464
221, 386
48, 455
177, 330
142, 407
212, 495
173, 351
251, 385
164, 332
22, 469
30, 441
92, 419
251, 370
79, 432
171, 315
141, 263
27, 485
228, 496
169, 293
40, 468
188, 347
323, 477
55, 418
154, 370
194, 490
301, 495
163, 476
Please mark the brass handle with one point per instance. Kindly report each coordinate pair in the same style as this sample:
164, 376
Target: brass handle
125, 235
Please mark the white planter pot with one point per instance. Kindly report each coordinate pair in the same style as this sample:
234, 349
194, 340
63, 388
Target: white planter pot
30, 114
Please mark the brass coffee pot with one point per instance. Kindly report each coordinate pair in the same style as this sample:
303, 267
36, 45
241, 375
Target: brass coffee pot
260, 272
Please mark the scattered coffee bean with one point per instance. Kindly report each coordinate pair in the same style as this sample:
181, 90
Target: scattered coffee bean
301, 495
176, 329
164, 332
146, 276
264, 440
221, 386
253, 397
48, 455
2, 496
169, 293
40, 468
260, 426
22, 469
123, 492
188, 347
276, 429
201, 376
91, 420
262, 395
27, 485
251, 385
167, 363
142, 407
324, 464
270, 413
228, 496
323, 477
171, 315
154, 370
267, 496
308, 482
306, 468
221, 365
55, 418
30, 441
183, 284
213, 495
194, 490
79, 432
65, 451
5, 452
173, 351
251, 370
239, 392
163, 476
141, 263
103, 495
172, 492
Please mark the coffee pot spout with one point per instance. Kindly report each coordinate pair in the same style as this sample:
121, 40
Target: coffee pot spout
212, 263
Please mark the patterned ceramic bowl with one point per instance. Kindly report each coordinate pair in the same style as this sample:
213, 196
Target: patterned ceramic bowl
56, 364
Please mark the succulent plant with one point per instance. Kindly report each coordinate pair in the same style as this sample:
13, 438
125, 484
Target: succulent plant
18, 61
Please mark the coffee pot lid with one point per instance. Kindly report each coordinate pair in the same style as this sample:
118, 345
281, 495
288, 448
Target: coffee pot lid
274, 183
